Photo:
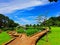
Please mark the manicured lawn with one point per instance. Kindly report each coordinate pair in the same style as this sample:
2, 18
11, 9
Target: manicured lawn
53, 37
4, 37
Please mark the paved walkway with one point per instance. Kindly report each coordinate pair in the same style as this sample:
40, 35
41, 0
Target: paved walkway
25, 40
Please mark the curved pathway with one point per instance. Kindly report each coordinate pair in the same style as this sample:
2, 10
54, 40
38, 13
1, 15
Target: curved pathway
25, 40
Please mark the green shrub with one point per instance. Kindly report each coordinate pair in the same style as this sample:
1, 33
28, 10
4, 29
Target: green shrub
31, 31
21, 30
6, 29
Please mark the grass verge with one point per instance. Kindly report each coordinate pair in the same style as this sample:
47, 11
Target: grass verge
53, 37
4, 37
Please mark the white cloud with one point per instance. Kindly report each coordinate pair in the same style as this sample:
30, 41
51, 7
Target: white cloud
25, 20
58, 14
32, 16
7, 7
16, 16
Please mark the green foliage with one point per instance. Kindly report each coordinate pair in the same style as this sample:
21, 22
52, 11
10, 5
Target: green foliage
53, 21
5, 22
31, 31
27, 25
34, 25
53, 0
21, 30
6, 29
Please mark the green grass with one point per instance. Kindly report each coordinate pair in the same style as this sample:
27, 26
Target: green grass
53, 37
4, 37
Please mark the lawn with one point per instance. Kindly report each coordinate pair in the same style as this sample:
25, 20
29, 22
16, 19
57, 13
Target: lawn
4, 37
53, 37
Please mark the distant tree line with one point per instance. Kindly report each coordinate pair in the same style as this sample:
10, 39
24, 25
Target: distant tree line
53, 21
34, 25
6, 22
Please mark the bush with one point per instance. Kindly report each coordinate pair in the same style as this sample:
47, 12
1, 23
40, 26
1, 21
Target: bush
21, 30
6, 29
0, 30
31, 31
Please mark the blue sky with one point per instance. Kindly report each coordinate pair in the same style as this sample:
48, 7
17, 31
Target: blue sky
26, 11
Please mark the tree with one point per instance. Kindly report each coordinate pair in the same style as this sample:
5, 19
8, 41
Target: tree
30, 25
5, 22
52, 21
27, 25
53, 0
42, 19
58, 18
38, 25
39, 19
34, 26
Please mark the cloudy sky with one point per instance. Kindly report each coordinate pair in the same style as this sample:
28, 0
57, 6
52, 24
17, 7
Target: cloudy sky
26, 11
